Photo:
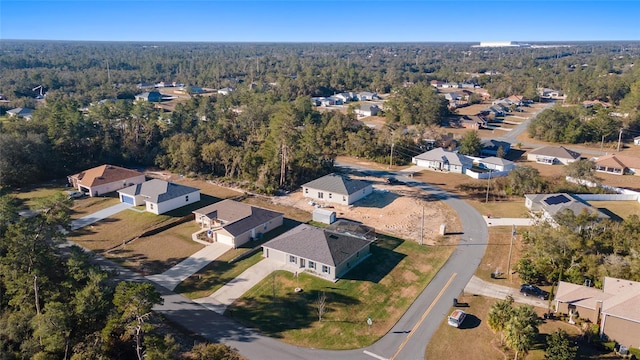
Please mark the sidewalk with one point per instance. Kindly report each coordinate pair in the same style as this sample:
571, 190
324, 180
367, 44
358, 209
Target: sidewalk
189, 266
478, 286
495, 221
227, 294
99, 215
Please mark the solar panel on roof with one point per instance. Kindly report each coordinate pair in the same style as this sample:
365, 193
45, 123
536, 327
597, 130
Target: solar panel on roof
557, 199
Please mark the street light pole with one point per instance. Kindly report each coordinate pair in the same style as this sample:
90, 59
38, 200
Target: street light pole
513, 234
486, 200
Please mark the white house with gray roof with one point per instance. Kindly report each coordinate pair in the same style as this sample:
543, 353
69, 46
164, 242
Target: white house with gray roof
551, 155
234, 223
548, 206
443, 160
318, 251
159, 196
25, 113
494, 163
337, 189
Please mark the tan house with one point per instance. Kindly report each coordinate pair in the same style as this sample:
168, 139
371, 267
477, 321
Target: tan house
552, 155
105, 179
233, 223
618, 164
616, 307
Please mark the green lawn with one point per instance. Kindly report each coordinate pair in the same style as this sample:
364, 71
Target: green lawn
383, 287
29, 196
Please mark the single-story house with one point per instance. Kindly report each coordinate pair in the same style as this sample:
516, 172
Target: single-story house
234, 223
337, 189
618, 164
367, 95
367, 110
615, 307
553, 155
336, 100
150, 96
145, 85
25, 113
516, 100
437, 83
452, 96
345, 96
474, 122
443, 160
159, 196
547, 206
491, 147
496, 164
636, 140
318, 251
105, 179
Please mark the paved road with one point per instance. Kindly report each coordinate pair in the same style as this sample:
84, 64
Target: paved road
511, 136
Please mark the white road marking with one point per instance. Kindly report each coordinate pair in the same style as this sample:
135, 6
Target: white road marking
374, 355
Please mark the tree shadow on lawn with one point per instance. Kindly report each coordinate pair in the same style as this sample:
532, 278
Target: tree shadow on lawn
288, 312
146, 266
381, 262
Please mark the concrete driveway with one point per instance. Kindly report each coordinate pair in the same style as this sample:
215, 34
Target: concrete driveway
227, 294
478, 286
99, 215
189, 266
494, 221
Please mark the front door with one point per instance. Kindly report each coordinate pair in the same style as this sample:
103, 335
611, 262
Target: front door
301, 262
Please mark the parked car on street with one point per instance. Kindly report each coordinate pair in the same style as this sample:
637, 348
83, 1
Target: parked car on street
532, 290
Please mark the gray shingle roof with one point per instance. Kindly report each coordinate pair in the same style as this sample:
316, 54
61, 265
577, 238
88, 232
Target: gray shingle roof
556, 151
337, 184
157, 191
554, 204
317, 244
493, 160
239, 217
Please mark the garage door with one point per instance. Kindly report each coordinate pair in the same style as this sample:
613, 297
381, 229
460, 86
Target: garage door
225, 239
127, 199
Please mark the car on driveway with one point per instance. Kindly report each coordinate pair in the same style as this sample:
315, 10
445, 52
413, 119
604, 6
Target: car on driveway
75, 194
456, 318
532, 290
393, 181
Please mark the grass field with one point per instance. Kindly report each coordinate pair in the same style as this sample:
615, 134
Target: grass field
497, 255
111, 232
622, 209
29, 196
383, 287
89, 205
157, 253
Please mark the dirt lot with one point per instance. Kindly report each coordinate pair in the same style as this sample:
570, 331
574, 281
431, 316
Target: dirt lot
391, 209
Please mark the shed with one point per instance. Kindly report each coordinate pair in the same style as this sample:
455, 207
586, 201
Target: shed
324, 216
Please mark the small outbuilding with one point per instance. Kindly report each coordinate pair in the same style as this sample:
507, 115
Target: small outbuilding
324, 216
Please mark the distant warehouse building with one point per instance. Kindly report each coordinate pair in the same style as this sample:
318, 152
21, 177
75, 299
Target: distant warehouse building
501, 44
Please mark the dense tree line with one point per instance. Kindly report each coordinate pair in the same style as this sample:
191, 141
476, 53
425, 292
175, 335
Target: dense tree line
54, 304
581, 248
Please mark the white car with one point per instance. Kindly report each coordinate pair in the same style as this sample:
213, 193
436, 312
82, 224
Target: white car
456, 318
75, 194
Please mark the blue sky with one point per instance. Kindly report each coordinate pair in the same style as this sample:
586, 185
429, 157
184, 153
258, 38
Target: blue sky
320, 21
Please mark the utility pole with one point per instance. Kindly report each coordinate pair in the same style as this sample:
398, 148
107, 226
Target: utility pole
391, 157
422, 227
602, 144
619, 139
513, 235
486, 200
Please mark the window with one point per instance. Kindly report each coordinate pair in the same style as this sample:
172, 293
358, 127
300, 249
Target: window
264, 227
151, 206
358, 254
326, 269
293, 259
330, 195
306, 190
312, 265
186, 198
320, 195
344, 198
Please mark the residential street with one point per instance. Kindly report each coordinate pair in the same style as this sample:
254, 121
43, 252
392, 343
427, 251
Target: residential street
406, 340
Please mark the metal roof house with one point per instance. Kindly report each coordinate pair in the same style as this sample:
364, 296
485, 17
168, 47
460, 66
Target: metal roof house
318, 251
151, 96
104, 179
336, 189
21, 112
234, 223
159, 196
